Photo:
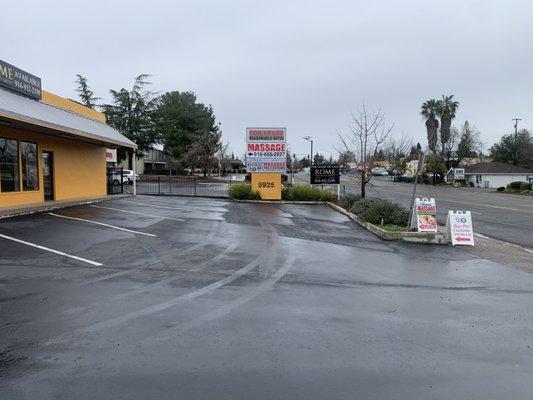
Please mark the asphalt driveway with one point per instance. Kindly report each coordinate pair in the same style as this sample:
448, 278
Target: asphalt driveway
503, 216
166, 297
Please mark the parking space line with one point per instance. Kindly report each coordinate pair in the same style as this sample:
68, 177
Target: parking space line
97, 264
102, 224
138, 213
166, 207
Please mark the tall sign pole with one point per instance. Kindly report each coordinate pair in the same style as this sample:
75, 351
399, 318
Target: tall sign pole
420, 167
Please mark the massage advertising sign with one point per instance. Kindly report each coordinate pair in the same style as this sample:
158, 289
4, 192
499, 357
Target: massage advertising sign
266, 149
424, 217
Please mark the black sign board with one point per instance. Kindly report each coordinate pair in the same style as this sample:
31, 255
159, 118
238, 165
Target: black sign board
325, 174
19, 81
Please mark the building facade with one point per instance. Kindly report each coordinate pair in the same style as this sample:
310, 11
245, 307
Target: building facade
51, 148
496, 174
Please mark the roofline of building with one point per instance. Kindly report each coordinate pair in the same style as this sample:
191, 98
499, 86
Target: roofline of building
498, 173
60, 128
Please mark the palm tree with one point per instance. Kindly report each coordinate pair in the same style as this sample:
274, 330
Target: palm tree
430, 110
448, 108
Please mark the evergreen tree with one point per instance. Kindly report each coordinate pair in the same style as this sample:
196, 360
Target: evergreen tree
85, 94
131, 113
469, 143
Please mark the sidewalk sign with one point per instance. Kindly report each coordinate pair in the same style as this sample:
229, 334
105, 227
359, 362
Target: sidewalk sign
459, 228
424, 215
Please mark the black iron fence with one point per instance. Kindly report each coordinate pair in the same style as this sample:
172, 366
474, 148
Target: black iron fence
115, 181
173, 185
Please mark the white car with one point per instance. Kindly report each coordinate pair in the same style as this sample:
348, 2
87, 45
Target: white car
128, 176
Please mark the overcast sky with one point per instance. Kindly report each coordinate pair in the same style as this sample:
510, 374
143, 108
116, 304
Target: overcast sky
299, 64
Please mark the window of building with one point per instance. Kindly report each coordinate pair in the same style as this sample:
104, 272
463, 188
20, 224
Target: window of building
9, 165
479, 178
30, 174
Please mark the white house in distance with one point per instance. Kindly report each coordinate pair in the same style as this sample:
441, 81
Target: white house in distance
496, 174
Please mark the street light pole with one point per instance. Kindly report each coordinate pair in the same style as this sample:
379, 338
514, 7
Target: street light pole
310, 139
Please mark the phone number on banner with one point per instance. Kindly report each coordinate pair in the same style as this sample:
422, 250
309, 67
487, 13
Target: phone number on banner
259, 154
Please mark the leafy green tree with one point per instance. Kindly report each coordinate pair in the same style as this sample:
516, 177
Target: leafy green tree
86, 95
131, 114
400, 166
436, 164
188, 129
516, 149
429, 111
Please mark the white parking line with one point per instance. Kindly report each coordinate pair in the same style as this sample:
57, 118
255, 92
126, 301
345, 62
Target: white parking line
138, 213
166, 207
102, 224
97, 264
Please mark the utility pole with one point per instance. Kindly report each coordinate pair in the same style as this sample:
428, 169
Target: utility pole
516, 124
310, 139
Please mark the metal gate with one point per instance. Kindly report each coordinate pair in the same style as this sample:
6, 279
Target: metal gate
181, 186
115, 181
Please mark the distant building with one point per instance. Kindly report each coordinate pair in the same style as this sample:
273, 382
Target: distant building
382, 164
496, 174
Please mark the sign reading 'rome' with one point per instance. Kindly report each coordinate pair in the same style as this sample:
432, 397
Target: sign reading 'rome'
325, 174
20, 81
266, 149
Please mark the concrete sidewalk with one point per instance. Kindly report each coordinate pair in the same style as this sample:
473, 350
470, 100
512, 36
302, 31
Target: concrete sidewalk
54, 205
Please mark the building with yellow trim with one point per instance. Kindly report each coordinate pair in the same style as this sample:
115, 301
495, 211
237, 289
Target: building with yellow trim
51, 148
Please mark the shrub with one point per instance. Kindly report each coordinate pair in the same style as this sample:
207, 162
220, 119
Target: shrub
348, 200
387, 211
306, 193
500, 189
374, 210
361, 205
243, 191
519, 186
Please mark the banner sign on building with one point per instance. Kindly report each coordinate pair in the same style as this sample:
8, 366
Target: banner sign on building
111, 155
424, 216
266, 150
458, 173
459, 228
325, 174
20, 81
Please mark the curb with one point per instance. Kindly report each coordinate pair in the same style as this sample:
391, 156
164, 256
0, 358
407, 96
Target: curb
41, 208
279, 202
409, 237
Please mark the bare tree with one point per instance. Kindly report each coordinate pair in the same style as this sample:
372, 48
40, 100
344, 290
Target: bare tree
222, 155
398, 148
368, 134
449, 148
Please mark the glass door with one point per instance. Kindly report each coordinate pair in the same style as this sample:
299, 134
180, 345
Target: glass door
48, 175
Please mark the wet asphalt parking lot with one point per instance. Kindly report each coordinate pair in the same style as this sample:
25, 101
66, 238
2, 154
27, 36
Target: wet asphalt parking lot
188, 298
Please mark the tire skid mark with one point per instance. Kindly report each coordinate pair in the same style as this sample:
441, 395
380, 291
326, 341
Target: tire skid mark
251, 294
149, 249
111, 322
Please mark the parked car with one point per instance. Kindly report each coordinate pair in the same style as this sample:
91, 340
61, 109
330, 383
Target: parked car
379, 172
128, 176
